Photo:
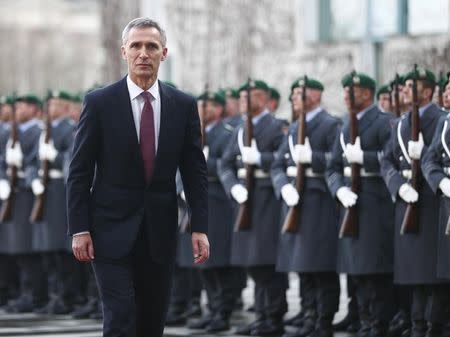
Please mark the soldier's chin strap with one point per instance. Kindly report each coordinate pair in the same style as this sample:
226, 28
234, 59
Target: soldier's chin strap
401, 143
444, 144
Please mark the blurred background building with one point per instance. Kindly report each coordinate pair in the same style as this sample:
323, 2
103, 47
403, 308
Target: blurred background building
73, 44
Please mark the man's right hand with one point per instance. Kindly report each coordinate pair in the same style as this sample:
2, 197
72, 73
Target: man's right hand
82, 247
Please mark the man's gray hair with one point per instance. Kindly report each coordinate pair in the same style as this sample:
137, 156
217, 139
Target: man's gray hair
143, 23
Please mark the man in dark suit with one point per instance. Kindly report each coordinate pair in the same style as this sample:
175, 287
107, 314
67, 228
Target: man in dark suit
122, 203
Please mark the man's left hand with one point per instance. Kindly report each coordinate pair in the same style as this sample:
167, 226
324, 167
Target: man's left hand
200, 247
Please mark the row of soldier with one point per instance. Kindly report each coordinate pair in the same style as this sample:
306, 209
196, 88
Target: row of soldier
37, 270
398, 281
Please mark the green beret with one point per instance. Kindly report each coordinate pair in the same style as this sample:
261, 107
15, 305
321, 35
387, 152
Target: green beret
421, 74
216, 97
384, 89
401, 81
170, 84
359, 79
443, 80
30, 99
255, 84
274, 93
447, 81
230, 92
59, 94
7, 100
310, 83
77, 98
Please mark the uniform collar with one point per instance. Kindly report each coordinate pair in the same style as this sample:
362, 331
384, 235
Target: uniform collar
256, 119
310, 115
27, 125
361, 114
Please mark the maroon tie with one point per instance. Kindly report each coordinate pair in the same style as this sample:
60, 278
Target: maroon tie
147, 136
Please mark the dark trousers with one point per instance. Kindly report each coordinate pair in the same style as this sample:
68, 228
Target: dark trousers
186, 288
270, 288
32, 277
134, 291
375, 295
353, 302
60, 267
430, 303
220, 290
8, 278
307, 294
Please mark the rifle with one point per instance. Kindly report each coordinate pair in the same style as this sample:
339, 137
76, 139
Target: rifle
441, 89
410, 222
37, 213
291, 222
349, 226
244, 218
7, 205
397, 96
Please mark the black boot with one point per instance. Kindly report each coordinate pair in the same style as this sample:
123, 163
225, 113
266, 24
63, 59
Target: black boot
270, 327
324, 328
435, 330
350, 323
246, 330
175, 317
419, 328
296, 320
220, 322
86, 310
201, 323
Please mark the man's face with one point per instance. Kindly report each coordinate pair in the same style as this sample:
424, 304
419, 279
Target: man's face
361, 95
210, 112
446, 97
243, 102
273, 104
423, 94
25, 111
6, 111
312, 99
56, 108
258, 101
384, 102
74, 111
231, 106
143, 52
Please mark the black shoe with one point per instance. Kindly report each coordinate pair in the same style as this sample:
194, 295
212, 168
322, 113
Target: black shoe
246, 330
98, 313
269, 327
397, 326
23, 304
379, 329
406, 333
201, 323
175, 318
194, 310
296, 320
419, 328
346, 322
320, 332
435, 330
86, 310
218, 324
364, 330
303, 331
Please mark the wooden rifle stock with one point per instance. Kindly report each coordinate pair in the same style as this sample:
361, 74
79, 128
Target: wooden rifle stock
37, 213
397, 96
292, 220
244, 217
410, 222
349, 226
7, 205
441, 89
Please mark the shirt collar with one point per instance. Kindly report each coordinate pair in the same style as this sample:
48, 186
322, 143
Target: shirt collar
310, 115
209, 127
361, 114
256, 119
423, 108
135, 91
28, 124
57, 121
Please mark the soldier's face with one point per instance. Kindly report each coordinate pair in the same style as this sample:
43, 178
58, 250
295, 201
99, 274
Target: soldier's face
423, 94
143, 52
231, 106
243, 102
210, 112
384, 101
273, 104
25, 111
6, 112
361, 95
258, 101
446, 97
56, 108
74, 111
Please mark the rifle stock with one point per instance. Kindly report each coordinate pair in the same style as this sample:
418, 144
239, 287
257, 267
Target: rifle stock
350, 226
292, 220
410, 224
37, 212
244, 217
397, 96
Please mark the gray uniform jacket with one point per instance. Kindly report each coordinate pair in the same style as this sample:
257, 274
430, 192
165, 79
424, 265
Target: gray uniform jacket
372, 251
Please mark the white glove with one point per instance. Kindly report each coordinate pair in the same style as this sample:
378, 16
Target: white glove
408, 193
354, 153
47, 151
239, 193
290, 195
5, 189
14, 155
206, 152
251, 155
346, 196
303, 153
37, 187
444, 185
415, 148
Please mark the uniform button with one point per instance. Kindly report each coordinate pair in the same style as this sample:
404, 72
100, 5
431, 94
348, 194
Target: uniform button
400, 158
239, 157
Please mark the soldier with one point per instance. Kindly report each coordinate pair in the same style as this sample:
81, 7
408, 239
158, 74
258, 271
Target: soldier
415, 253
317, 225
232, 114
403, 105
16, 233
367, 257
50, 232
446, 95
216, 274
384, 98
256, 248
274, 100
75, 106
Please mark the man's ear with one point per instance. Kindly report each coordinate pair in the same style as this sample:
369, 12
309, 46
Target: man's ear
122, 51
164, 54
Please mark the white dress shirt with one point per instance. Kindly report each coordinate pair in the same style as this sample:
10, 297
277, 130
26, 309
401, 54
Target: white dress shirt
137, 104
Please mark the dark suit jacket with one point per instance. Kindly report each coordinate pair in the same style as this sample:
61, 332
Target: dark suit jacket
106, 189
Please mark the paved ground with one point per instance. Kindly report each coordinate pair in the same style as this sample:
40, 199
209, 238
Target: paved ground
28, 325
